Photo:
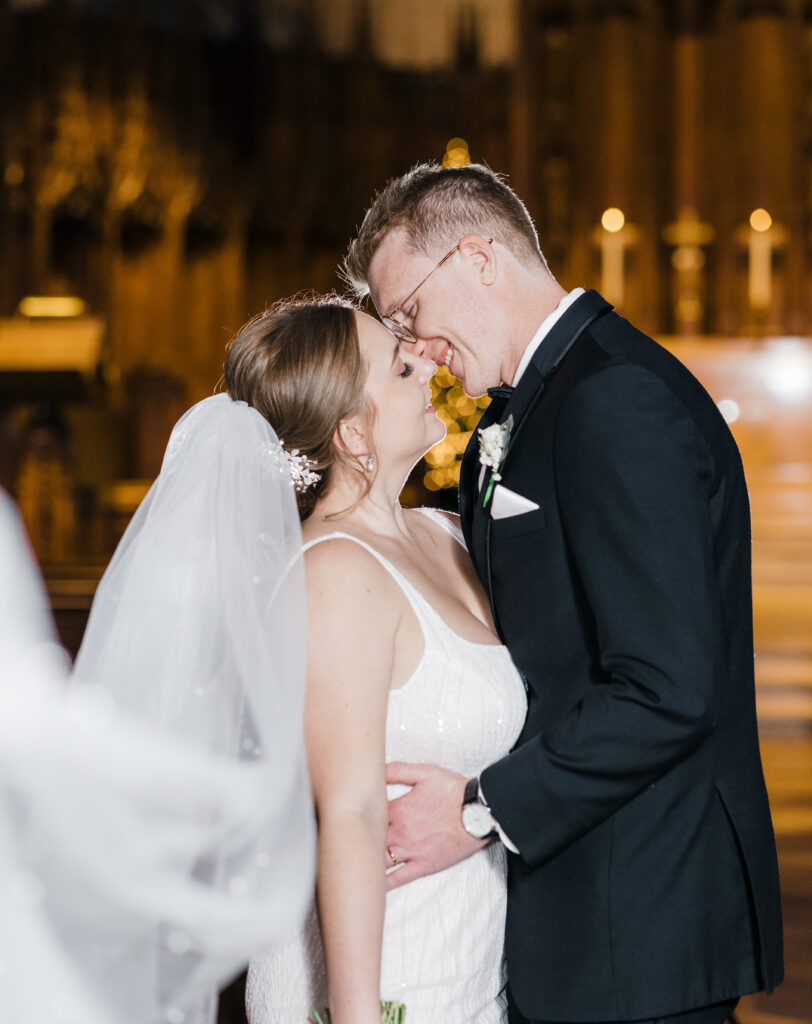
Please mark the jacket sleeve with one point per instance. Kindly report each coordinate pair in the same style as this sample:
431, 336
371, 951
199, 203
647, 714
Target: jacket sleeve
633, 478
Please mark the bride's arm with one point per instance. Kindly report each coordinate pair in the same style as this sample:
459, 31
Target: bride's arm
352, 621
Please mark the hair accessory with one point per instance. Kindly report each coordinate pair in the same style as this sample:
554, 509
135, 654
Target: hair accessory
370, 462
301, 468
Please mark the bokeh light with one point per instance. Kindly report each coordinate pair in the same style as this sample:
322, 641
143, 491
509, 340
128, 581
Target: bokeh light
456, 153
613, 219
461, 414
760, 220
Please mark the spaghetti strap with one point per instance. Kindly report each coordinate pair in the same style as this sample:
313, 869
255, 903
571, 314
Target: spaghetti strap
428, 618
445, 523
431, 621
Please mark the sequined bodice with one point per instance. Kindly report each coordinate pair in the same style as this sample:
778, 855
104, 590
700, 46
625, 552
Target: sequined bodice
462, 708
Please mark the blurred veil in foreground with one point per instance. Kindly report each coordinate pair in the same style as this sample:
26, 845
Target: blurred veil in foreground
156, 824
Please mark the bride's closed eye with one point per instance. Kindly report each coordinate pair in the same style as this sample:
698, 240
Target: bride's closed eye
407, 371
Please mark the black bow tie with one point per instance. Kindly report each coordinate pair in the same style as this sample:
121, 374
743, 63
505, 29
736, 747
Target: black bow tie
504, 391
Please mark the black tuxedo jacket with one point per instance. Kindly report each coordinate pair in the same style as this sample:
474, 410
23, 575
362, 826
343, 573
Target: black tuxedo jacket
647, 882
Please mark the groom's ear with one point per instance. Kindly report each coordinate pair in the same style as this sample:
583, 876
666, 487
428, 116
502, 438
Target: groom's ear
480, 255
350, 438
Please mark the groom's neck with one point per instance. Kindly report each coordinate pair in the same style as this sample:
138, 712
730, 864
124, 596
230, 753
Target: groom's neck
534, 297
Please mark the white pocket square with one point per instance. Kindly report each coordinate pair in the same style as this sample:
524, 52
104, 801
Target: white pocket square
506, 503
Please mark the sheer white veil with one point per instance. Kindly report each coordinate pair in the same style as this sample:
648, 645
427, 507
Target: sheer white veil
164, 824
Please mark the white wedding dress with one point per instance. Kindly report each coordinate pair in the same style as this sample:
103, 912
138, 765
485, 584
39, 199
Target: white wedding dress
463, 708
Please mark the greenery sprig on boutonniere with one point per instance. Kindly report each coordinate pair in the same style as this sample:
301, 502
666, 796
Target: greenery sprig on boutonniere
493, 444
391, 1013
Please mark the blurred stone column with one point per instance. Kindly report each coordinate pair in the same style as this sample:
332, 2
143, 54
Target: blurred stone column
769, 159
615, 29
806, 142
688, 233
542, 124
522, 105
616, 133
419, 35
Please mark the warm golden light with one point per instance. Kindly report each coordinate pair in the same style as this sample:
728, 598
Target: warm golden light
456, 153
787, 370
613, 219
460, 413
51, 306
729, 409
14, 174
760, 220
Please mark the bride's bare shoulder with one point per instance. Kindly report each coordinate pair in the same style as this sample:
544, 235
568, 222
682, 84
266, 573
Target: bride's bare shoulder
343, 576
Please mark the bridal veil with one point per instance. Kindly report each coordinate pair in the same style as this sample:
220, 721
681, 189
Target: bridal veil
156, 826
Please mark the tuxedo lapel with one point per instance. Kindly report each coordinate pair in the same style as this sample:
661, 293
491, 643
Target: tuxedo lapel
475, 525
549, 356
469, 474
546, 360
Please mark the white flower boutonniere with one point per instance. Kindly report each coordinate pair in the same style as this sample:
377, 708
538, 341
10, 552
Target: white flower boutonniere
493, 443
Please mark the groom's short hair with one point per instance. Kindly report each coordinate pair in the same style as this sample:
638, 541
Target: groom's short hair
438, 206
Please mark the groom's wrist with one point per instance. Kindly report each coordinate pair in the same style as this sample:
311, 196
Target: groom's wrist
477, 819
500, 832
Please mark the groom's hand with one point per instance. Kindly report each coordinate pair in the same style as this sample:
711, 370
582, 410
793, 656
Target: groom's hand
425, 831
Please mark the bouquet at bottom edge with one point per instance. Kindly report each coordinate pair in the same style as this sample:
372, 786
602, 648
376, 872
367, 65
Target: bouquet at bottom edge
391, 1013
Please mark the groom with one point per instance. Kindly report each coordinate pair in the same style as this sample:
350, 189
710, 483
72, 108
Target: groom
608, 519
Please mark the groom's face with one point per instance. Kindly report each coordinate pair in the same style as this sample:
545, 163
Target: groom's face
449, 312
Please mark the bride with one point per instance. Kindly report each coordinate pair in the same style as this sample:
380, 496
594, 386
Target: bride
175, 835
403, 664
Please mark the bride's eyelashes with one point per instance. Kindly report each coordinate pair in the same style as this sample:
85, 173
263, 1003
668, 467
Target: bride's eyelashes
407, 371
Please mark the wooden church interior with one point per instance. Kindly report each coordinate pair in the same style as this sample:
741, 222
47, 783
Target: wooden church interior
171, 166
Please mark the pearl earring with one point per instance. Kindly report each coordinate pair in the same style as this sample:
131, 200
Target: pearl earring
370, 462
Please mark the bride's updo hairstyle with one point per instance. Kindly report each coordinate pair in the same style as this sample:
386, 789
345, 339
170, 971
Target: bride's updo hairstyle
300, 365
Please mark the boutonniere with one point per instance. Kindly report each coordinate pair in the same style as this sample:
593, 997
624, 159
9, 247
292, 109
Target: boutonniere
493, 444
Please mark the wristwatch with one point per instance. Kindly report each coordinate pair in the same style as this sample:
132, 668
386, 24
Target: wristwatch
477, 819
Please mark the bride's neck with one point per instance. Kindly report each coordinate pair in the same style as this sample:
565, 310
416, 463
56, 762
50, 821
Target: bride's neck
377, 511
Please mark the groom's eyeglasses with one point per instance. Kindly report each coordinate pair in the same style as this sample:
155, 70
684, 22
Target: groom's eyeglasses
397, 327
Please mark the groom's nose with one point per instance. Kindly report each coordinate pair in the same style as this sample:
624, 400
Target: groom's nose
420, 347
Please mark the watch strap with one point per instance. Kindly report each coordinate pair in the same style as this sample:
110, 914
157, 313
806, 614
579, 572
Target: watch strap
471, 794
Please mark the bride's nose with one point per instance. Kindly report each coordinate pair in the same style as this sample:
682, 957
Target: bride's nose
426, 368
423, 365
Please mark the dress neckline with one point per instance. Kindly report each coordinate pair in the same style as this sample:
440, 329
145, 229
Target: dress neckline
410, 588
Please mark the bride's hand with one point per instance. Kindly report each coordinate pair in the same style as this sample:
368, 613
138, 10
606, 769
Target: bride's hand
425, 832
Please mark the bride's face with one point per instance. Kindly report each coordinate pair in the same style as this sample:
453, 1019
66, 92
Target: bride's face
406, 423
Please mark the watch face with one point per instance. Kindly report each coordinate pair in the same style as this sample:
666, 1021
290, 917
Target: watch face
477, 820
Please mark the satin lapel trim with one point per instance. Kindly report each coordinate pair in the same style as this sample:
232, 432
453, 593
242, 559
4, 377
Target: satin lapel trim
467, 495
480, 539
489, 575
469, 474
